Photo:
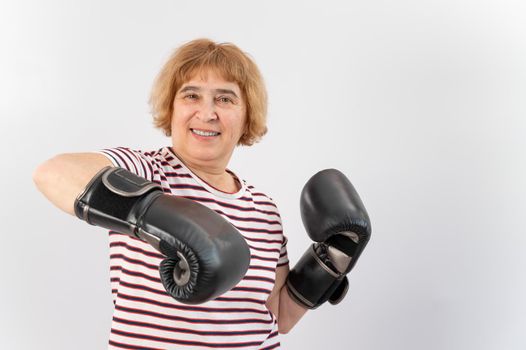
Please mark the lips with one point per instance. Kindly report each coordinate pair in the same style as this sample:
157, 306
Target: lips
205, 133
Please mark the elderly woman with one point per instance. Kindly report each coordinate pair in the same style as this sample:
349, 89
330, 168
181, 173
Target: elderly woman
227, 286
209, 98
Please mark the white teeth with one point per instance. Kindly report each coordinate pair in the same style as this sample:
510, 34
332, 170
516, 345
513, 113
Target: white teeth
204, 133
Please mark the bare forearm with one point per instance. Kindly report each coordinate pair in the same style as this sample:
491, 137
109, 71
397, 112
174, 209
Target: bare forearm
286, 310
63, 177
290, 312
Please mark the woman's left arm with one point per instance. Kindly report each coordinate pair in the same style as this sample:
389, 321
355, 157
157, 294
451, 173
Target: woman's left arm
286, 310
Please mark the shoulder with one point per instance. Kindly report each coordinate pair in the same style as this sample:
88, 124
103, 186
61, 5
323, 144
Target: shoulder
261, 199
259, 196
140, 162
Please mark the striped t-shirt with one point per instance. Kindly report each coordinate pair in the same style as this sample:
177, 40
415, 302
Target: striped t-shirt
146, 317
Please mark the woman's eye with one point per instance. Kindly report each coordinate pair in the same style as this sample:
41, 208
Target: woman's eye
224, 100
191, 96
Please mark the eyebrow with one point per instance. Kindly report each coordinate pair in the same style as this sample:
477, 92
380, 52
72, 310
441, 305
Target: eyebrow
196, 88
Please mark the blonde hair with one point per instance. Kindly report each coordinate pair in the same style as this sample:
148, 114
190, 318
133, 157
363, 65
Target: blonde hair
225, 59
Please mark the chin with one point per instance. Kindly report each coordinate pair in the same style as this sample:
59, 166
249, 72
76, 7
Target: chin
205, 156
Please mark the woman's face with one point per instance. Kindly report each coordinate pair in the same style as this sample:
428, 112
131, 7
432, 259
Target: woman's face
208, 120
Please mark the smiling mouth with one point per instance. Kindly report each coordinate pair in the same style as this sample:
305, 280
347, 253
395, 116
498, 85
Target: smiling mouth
205, 133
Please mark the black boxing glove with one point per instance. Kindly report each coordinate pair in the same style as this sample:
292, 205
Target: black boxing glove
335, 217
205, 255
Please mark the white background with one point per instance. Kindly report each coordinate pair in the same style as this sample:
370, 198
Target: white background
421, 103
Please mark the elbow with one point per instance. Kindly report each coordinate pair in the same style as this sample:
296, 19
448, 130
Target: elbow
40, 174
283, 330
284, 326
44, 172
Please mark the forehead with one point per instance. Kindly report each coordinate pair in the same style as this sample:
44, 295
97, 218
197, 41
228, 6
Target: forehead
210, 77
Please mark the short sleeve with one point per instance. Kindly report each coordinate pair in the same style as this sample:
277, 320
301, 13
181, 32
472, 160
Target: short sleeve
133, 160
283, 256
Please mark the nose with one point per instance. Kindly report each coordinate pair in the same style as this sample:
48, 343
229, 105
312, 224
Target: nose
207, 111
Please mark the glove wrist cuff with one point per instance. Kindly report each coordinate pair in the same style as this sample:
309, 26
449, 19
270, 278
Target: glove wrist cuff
311, 282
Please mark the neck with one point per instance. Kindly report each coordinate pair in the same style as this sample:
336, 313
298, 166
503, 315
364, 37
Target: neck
213, 173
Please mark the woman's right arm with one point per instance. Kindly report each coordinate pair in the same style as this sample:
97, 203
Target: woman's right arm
64, 176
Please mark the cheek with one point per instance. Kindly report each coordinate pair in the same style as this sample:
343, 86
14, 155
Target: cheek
179, 120
237, 128
174, 124
240, 122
